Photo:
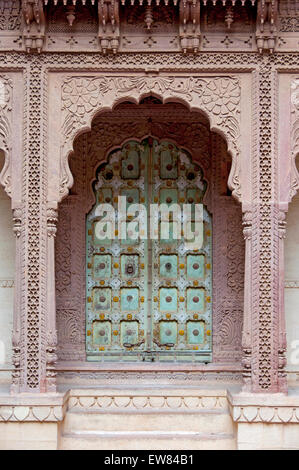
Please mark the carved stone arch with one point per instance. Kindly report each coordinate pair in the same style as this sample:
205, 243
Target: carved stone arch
5, 131
119, 145
83, 97
110, 129
294, 177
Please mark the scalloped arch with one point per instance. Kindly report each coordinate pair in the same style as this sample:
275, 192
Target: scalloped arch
84, 97
109, 153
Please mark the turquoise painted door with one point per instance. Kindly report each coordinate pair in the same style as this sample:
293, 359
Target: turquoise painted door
149, 293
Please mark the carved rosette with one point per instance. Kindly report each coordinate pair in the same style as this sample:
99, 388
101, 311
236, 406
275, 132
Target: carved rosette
218, 97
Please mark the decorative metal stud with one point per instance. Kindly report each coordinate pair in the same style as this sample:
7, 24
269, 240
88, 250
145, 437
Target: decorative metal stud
129, 269
190, 175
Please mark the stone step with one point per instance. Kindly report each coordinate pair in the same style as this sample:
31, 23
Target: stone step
203, 421
149, 440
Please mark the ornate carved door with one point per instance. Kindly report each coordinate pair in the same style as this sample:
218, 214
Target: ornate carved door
148, 297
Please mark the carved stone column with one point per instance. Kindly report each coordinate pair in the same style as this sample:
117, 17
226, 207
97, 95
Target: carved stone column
282, 338
51, 345
247, 331
16, 333
264, 341
34, 336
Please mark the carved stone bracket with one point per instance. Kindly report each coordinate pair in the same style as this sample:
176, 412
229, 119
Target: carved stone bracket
109, 25
189, 25
83, 97
266, 25
34, 24
188, 16
5, 130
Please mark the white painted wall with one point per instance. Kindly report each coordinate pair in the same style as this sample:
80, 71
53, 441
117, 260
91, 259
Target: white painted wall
292, 274
7, 269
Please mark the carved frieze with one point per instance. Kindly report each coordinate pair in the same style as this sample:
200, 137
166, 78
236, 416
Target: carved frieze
111, 26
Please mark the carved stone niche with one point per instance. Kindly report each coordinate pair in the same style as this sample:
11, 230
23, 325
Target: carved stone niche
190, 131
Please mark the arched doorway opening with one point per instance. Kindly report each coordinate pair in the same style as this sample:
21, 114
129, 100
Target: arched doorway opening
149, 281
190, 133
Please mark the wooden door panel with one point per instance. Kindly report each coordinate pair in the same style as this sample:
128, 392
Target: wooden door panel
149, 299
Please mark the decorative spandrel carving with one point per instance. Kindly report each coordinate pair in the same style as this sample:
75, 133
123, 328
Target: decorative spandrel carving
218, 97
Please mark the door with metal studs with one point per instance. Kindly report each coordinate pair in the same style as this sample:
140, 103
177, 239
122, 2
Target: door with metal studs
149, 297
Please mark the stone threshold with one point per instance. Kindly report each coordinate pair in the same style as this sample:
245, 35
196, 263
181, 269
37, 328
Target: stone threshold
145, 367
